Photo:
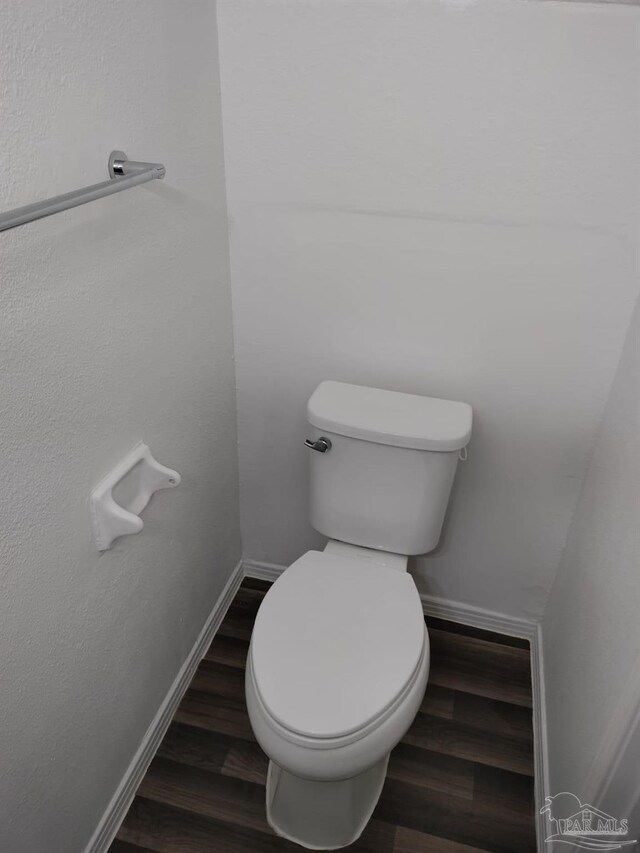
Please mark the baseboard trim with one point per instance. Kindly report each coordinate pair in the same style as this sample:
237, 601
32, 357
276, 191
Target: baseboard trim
489, 620
440, 608
123, 797
540, 741
477, 617
262, 571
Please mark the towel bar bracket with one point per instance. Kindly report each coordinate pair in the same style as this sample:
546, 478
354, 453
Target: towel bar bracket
120, 166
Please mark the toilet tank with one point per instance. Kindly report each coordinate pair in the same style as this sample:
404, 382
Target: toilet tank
385, 481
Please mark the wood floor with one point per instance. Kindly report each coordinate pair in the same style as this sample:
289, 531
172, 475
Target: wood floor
461, 781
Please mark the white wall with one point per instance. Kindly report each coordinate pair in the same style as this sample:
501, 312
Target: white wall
114, 326
435, 198
591, 627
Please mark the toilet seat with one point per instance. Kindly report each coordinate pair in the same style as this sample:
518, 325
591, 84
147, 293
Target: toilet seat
336, 645
332, 743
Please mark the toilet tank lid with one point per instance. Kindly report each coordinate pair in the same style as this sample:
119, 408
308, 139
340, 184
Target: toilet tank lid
390, 417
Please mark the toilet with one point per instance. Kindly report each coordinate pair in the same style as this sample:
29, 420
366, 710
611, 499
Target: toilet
339, 656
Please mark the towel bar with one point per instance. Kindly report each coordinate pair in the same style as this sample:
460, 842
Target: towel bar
124, 174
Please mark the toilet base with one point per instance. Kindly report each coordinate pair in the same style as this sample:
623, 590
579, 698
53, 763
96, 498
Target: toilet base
322, 815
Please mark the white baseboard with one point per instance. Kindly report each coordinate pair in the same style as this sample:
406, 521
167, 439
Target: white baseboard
123, 797
489, 620
477, 617
440, 608
540, 742
262, 571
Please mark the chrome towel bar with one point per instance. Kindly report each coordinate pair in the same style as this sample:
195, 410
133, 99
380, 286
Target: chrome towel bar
124, 174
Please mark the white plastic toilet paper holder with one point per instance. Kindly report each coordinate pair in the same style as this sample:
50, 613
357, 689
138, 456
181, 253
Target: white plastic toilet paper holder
109, 519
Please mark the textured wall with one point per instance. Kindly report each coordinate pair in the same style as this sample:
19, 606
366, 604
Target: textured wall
591, 627
114, 326
437, 198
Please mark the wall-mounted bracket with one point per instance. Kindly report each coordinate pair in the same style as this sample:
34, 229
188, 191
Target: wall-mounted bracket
109, 518
121, 167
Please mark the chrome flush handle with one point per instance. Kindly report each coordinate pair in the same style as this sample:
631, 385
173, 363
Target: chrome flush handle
321, 444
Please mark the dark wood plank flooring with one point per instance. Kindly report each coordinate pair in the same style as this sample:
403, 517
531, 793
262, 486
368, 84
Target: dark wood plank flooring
461, 781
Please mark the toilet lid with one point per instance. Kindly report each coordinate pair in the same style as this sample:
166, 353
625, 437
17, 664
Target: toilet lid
335, 642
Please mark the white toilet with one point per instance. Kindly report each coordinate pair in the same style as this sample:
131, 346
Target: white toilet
339, 656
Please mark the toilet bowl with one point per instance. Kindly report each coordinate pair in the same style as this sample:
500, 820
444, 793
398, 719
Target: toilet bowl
337, 669
339, 656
